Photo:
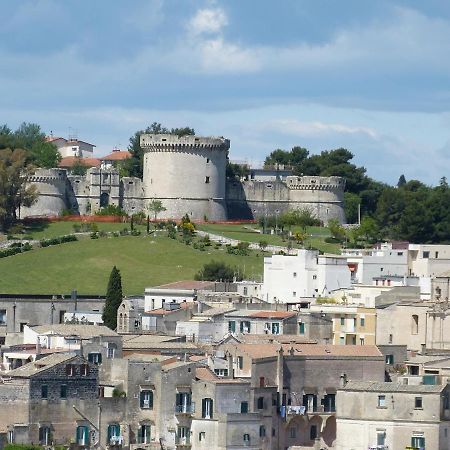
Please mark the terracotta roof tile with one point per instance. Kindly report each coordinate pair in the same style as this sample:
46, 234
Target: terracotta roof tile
70, 161
116, 155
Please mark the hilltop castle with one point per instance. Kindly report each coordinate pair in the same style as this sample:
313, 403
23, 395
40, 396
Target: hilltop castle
188, 175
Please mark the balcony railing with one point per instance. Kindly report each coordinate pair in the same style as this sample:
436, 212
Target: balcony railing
185, 409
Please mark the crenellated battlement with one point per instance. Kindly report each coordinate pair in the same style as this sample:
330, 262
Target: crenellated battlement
173, 143
315, 183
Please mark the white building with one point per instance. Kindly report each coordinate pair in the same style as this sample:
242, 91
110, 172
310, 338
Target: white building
72, 147
289, 279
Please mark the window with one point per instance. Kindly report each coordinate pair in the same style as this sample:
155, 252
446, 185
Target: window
70, 370
262, 431
381, 437
183, 402
418, 403
113, 434
314, 277
221, 372
390, 359
232, 326
295, 274
95, 358
45, 437
413, 370
144, 434
425, 255
246, 437
10, 436
275, 328
301, 328
183, 435
201, 436
207, 180
111, 351
436, 255
292, 432
82, 435
207, 160
44, 391
245, 291
207, 408
2, 316
415, 324
391, 338
84, 370
146, 399
240, 362
329, 403
310, 402
418, 441
342, 340
381, 401
63, 391
274, 433
361, 341
260, 403
362, 322
245, 326
294, 294
313, 432
342, 321
244, 407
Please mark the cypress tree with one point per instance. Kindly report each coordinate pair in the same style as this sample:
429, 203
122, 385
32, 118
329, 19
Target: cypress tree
113, 299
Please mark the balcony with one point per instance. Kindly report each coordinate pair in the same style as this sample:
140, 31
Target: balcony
185, 409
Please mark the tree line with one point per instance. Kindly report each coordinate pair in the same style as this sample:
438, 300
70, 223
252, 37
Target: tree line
411, 210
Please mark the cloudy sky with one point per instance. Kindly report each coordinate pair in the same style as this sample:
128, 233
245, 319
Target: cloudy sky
373, 77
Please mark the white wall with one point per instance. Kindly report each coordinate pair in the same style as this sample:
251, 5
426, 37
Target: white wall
156, 298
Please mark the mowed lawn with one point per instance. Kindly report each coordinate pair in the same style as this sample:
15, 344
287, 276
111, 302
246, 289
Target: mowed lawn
316, 238
85, 265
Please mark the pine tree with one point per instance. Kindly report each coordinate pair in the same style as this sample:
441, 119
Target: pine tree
113, 299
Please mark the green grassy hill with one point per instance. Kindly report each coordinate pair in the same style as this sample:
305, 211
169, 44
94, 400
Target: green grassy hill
85, 265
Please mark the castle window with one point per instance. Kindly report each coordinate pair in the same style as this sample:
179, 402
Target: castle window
207, 160
130, 182
207, 180
269, 186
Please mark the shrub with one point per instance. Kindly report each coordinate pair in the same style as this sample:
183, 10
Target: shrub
58, 240
218, 271
94, 235
135, 232
124, 232
111, 210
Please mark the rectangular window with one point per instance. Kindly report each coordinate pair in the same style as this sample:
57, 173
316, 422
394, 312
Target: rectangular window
44, 391
294, 294
244, 407
2, 316
418, 442
275, 328
310, 402
45, 436
342, 340
361, 341
63, 391
391, 338
232, 326
262, 431
381, 401
144, 434
314, 277
342, 321
362, 322
329, 403
295, 274
381, 437
313, 432
146, 399
240, 362
245, 326
390, 359
207, 408
113, 434
95, 358
83, 435
418, 403
207, 180
301, 328
201, 436
425, 255
84, 370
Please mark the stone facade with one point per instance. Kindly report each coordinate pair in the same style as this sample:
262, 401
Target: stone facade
188, 175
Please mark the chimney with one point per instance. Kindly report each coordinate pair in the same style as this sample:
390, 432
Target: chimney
38, 346
230, 364
280, 374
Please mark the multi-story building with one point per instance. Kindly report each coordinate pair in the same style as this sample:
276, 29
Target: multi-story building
378, 415
306, 275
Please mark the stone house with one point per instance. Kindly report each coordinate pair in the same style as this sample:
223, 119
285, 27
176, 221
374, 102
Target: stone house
376, 415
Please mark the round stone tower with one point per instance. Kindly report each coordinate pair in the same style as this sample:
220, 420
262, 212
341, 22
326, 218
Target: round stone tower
187, 174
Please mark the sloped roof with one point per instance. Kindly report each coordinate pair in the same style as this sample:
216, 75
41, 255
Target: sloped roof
378, 386
116, 155
70, 161
186, 284
82, 331
41, 365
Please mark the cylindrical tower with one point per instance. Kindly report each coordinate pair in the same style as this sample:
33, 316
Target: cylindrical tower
187, 174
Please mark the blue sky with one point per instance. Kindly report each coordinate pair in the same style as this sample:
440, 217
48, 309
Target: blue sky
373, 77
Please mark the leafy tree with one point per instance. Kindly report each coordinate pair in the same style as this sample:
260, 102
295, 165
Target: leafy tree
14, 191
351, 204
401, 181
369, 229
156, 207
113, 299
45, 154
336, 230
27, 135
78, 168
134, 166
236, 171
217, 271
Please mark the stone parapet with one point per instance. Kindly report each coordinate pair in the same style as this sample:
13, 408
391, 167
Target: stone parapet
168, 142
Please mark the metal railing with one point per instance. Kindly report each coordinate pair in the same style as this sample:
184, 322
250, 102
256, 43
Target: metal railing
185, 409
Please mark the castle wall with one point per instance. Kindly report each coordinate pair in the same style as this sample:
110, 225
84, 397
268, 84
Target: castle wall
132, 195
187, 174
323, 196
51, 186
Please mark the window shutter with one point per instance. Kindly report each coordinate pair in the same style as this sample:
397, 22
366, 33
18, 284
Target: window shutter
203, 407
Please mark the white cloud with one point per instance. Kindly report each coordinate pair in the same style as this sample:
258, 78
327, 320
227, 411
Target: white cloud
317, 128
208, 20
